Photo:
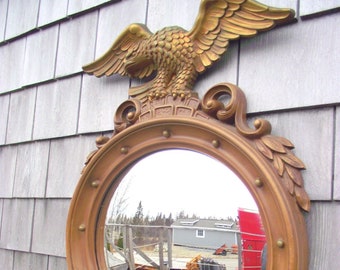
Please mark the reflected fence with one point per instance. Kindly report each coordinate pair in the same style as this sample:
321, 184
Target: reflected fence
151, 247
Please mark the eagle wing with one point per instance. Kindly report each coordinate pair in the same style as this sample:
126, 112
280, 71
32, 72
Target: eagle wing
113, 61
222, 20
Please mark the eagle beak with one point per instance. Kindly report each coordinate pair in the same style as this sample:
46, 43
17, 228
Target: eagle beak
135, 64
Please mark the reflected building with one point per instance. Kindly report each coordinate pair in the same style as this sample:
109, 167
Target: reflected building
205, 233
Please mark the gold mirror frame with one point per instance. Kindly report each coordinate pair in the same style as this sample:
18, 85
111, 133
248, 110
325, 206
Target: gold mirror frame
262, 161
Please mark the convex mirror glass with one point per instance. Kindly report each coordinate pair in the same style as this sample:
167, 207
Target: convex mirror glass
171, 213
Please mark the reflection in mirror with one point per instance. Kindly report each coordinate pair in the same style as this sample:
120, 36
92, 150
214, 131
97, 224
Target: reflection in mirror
184, 210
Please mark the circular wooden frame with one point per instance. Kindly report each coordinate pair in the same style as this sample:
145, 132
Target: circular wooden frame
281, 216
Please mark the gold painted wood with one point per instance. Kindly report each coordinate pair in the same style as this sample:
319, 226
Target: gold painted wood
166, 113
177, 56
209, 127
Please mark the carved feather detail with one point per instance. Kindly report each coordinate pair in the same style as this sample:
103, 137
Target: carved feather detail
178, 55
287, 165
114, 60
225, 20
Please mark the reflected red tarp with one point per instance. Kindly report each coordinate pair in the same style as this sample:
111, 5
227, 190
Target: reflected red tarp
253, 238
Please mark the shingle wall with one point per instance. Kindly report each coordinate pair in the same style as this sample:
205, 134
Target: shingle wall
51, 113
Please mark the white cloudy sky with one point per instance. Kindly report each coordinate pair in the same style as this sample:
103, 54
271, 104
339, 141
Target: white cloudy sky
175, 180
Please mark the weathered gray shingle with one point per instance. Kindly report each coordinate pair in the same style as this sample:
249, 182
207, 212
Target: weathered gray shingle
3, 16
4, 107
76, 43
78, 6
12, 65
169, 13
314, 147
337, 156
51, 214
52, 10
31, 170
40, 45
1, 207
21, 113
323, 230
8, 156
293, 66
67, 157
99, 101
29, 261
21, 18
308, 7
57, 108
281, 3
6, 259
57, 263
16, 229
113, 20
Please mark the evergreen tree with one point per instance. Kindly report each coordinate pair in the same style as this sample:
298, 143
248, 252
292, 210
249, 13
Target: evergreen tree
169, 220
138, 217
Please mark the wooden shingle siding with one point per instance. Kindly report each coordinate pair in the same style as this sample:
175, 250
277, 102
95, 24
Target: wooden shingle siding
3, 17
21, 17
308, 7
48, 236
56, 263
316, 151
323, 230
77, 39
99, 101
40, 45
6, 258
31, 170
337, 156
51, 113
8, 156
177, 12
12, 57
4, 106
29, 261
52, 10
16, 228
21, 116
293, 66
67, 157
114, 19
79, 6
1, 208
57, 107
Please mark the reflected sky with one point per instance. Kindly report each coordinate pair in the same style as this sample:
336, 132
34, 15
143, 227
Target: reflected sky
172, 181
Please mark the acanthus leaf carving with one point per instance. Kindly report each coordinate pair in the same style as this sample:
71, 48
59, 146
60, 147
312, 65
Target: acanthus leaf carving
288, 166
278, 164
264, 150
302, 198
272, 143
276, 149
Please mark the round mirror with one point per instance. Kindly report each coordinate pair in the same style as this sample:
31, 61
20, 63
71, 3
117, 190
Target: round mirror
173, 215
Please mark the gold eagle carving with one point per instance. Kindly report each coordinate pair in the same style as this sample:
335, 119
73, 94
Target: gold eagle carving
177, 56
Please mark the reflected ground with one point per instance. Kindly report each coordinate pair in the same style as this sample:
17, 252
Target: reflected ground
173, 256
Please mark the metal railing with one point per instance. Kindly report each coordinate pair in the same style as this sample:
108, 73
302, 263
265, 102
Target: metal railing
126, 242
